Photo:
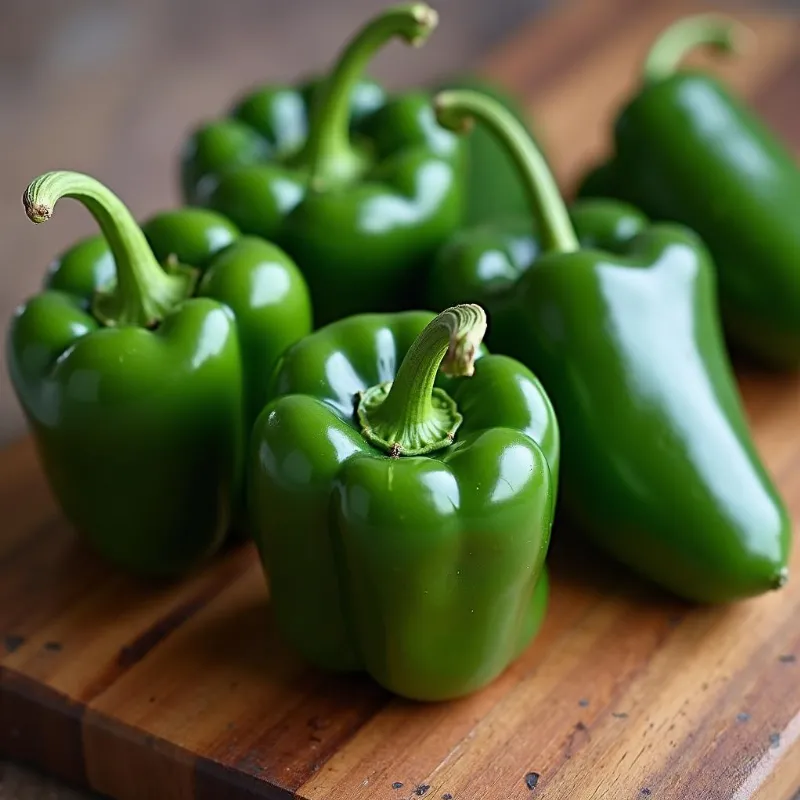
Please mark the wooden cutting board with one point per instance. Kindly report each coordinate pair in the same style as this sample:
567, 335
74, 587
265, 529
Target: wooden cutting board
186, 692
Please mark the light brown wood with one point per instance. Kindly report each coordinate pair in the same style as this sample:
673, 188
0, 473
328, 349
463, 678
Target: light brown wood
186, 691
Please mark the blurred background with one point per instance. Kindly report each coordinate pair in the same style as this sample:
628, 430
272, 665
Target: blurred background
111, 87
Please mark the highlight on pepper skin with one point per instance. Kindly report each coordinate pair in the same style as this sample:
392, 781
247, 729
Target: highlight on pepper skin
399, 425
374, 362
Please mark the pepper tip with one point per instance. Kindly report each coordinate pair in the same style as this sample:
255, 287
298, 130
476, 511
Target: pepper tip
427, 18
733, 35
37, 212
465, 340
458, 123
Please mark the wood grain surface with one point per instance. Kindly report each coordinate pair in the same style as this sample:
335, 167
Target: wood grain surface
185, 691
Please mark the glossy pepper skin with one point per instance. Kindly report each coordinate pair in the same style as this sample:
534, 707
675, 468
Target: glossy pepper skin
140, 383
486, 261
688, 150
359, 188
392, 543
658, 465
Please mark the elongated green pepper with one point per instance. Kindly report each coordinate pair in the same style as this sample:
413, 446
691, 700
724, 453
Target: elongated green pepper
658, 464
140, 376
688, 150
358, 188
403, 518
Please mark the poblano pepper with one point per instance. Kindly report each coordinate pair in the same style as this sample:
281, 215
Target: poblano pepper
658, 464
140, 369
688, 150
359, 188
403, 518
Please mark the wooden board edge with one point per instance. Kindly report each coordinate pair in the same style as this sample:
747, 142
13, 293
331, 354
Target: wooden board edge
54, 730
47, 732
215, 781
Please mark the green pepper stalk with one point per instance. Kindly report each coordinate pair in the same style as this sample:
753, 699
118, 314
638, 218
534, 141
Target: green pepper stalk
409, 416
332, 157
143, 292
492, 190
455, 110
659, 467
703, 30
360, 187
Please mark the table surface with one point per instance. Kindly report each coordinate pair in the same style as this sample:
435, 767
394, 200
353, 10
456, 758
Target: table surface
111, 88
122, 129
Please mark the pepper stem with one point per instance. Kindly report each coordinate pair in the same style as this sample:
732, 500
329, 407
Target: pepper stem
328, 151
457, 109
409, 416
143, 292
710, 30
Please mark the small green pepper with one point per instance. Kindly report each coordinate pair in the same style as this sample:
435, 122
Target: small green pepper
359, 203
404, 525
658, 464
688, 150
140, 376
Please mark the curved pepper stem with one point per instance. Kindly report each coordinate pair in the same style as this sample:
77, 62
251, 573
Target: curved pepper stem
701, 30
143, 292
457, 109
328, 151
409, 416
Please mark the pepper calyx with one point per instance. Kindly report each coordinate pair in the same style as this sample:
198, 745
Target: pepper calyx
410, 416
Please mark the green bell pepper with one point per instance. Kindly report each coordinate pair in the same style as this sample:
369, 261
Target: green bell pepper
360, 208
689, 151
404, 526
658, 464
141, 381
